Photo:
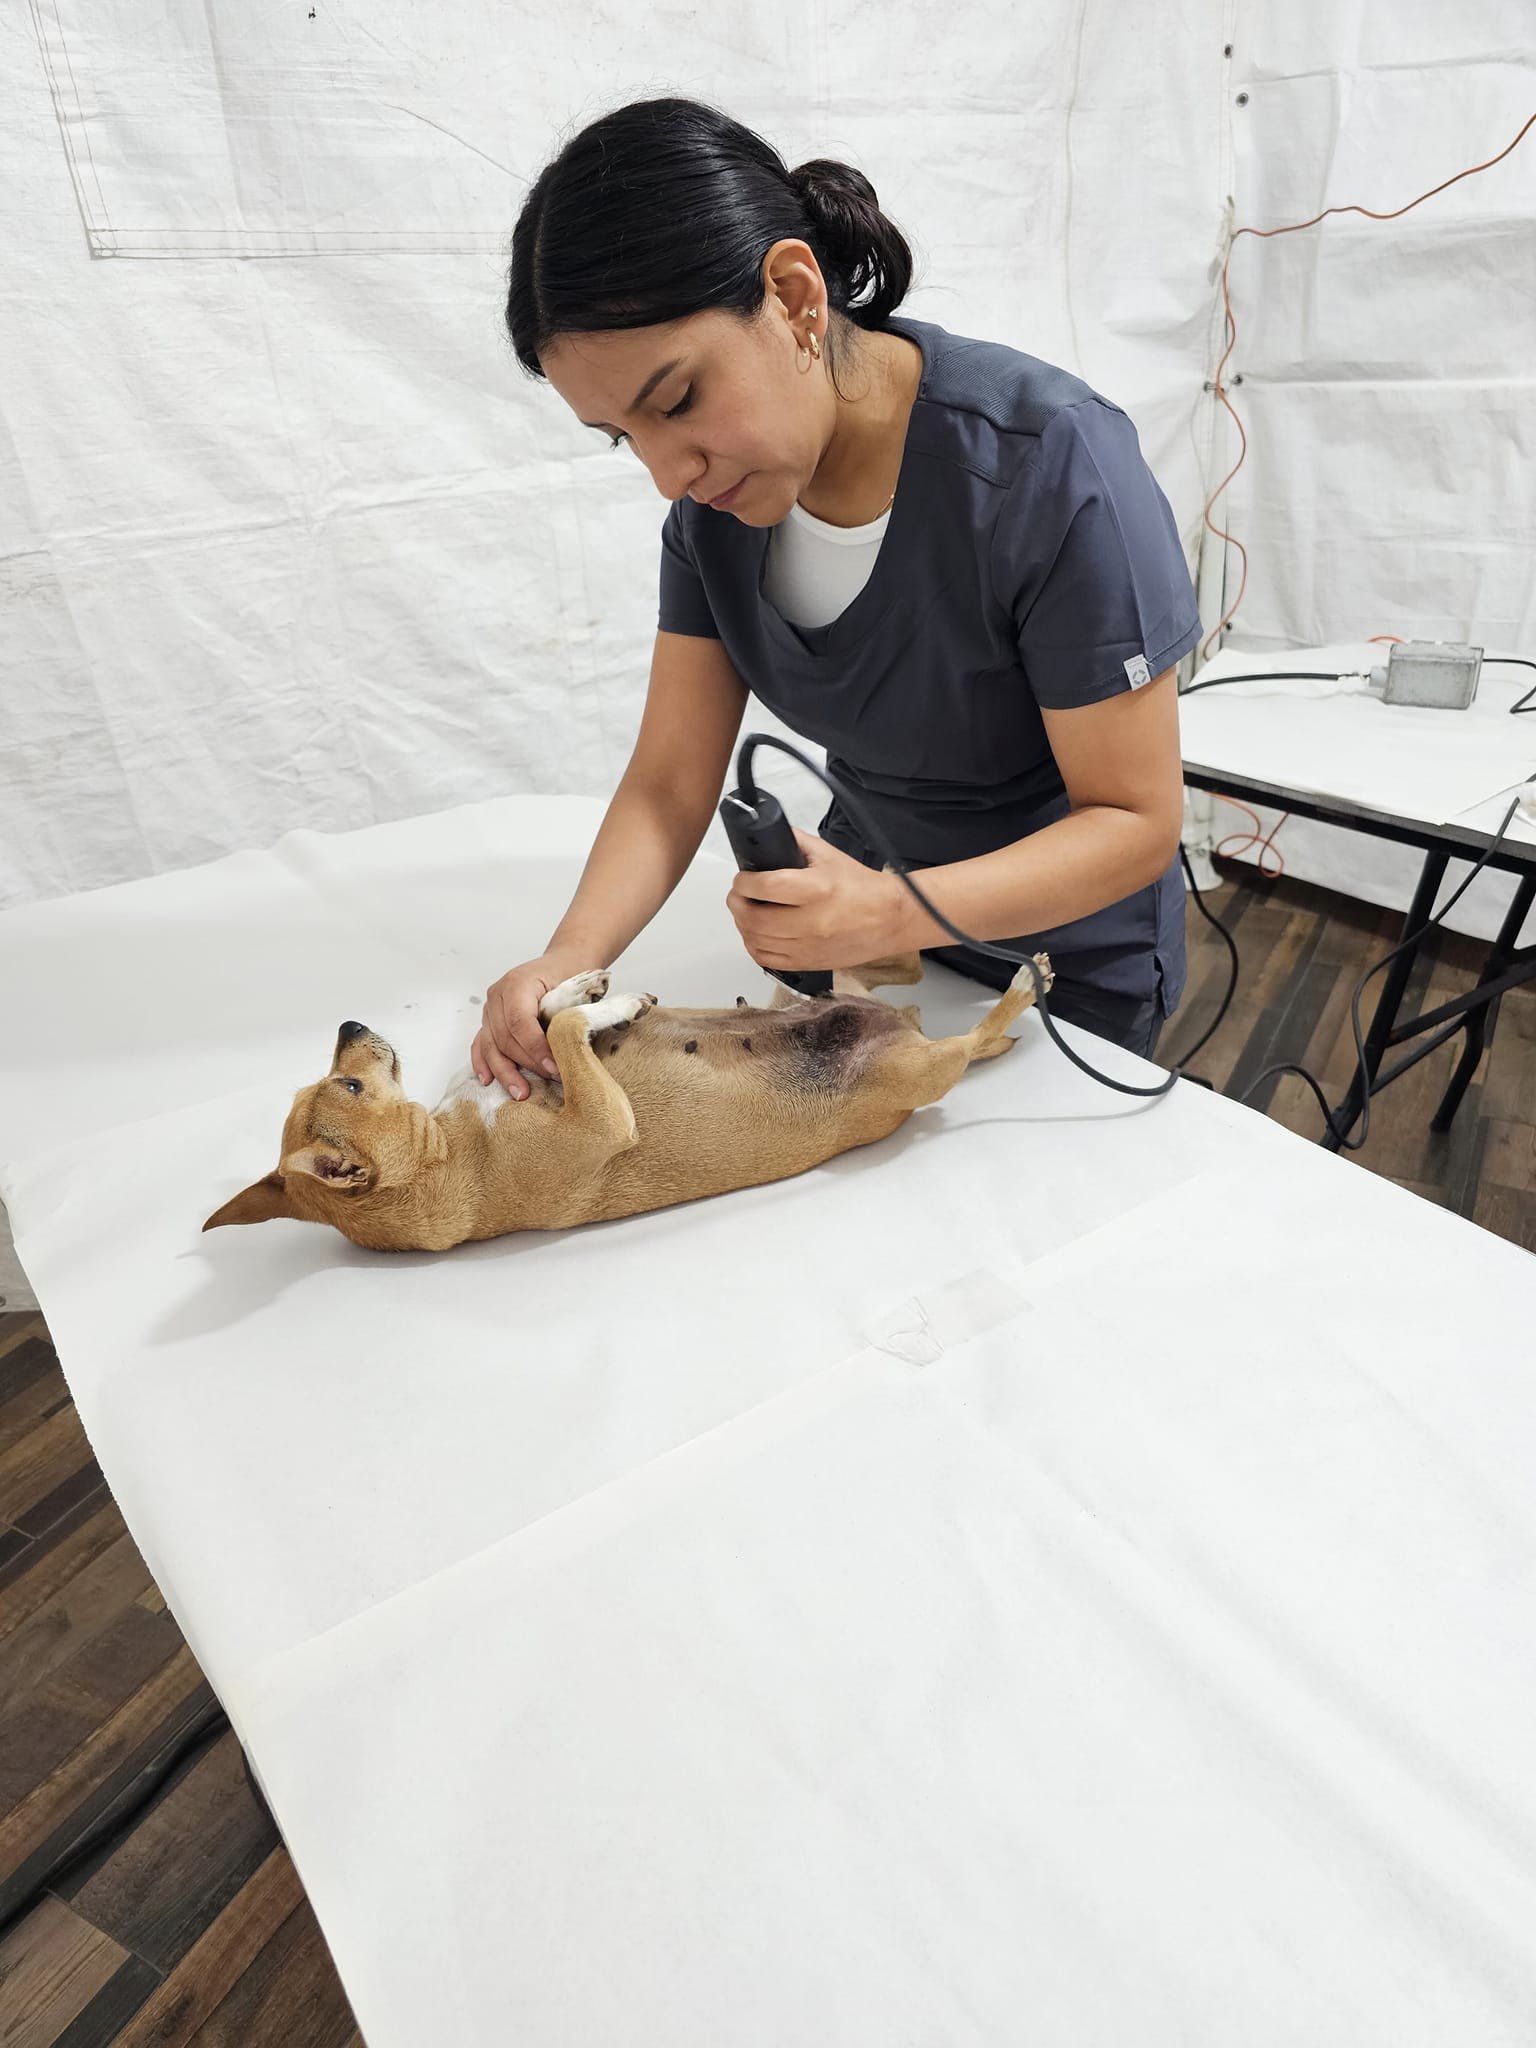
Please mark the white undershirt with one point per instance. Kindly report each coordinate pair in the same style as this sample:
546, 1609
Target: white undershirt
815, 571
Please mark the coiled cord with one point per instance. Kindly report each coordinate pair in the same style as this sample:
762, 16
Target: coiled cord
875, 838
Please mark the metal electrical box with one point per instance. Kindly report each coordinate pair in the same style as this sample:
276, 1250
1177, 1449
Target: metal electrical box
1441, 673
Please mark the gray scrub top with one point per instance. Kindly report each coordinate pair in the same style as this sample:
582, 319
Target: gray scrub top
1030, 559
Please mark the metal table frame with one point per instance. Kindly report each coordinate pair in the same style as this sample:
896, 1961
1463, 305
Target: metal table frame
1505, 966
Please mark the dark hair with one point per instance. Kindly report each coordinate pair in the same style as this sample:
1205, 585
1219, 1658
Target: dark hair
667, 207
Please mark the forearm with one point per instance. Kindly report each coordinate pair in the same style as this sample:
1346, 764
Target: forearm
1084, 861
641, 853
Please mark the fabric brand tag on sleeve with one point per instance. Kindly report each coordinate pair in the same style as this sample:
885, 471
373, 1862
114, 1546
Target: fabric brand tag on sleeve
1137, 672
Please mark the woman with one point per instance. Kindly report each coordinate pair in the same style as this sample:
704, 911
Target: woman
943, 560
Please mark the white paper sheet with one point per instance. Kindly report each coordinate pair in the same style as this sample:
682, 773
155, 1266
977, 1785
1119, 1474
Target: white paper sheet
1035, 1672
307, 1439
1488, 816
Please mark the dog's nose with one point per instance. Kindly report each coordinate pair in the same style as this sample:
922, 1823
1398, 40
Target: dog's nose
350, 1030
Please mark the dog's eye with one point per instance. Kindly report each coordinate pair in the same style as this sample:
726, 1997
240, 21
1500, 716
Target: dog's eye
355, 1086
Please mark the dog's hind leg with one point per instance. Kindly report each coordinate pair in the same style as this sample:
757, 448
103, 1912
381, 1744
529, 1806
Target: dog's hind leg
990, 1033
889, 971
893, 970
915, 1070
849, 981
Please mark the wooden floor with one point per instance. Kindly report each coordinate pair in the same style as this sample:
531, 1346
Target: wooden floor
1302, 949
192, 1928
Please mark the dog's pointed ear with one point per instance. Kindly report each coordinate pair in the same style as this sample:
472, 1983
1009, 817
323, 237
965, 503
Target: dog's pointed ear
258, 1203
341, 1167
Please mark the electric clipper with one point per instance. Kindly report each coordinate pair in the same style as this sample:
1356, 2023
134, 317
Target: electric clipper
762, 838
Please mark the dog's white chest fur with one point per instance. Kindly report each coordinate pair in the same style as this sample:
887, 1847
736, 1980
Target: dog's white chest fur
487, 1097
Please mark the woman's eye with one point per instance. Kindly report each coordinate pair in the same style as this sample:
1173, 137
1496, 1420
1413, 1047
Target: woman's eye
681, 406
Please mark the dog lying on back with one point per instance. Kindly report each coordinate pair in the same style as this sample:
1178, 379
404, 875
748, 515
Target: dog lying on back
652, 1106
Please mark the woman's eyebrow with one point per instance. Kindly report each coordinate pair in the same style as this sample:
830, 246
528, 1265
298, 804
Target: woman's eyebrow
641, 395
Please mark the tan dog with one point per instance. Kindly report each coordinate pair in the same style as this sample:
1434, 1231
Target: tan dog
651, 1107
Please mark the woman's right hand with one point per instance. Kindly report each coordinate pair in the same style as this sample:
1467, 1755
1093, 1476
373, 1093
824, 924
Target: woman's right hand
510, 1033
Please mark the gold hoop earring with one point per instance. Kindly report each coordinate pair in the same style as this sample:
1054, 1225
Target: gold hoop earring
815, 348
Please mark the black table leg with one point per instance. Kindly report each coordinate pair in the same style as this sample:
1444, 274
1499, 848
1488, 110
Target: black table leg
1481, 1020
1419, 913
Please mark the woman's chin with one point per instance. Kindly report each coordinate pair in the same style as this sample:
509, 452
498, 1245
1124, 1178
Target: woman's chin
763, 507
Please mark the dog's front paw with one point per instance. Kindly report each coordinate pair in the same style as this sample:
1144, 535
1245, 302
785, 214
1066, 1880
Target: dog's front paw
579, 988
617, 1010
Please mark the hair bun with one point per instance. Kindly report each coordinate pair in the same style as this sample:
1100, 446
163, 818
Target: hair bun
667, 207
825, 180
865, 257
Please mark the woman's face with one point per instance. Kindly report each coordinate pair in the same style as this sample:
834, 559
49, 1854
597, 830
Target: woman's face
712, 404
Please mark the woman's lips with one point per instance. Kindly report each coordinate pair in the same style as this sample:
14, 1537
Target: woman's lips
726, 497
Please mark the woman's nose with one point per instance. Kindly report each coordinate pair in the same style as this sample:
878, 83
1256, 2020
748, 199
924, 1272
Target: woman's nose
674, 476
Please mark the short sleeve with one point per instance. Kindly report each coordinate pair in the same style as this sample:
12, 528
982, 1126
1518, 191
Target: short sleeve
1087, 562
683, 607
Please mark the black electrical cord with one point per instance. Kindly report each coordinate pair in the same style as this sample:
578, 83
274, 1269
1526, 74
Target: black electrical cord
1366, 1084
877, 840
1231, 945
1313, 675
1345, 1143
1517, 661
1341, 1136
1272, 675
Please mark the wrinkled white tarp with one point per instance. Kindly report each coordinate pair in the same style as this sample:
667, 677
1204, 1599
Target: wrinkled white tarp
289, 539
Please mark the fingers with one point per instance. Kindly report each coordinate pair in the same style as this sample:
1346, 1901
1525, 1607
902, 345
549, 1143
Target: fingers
510, 1036
513, 1018
490, 1063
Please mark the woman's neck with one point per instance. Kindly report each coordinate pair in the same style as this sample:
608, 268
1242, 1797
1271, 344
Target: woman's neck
856, 476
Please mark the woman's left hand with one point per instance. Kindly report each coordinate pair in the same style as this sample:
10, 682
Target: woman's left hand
834, 912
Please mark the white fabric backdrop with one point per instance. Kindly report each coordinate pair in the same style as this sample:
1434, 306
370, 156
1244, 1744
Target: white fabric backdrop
288, 539
294, 541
